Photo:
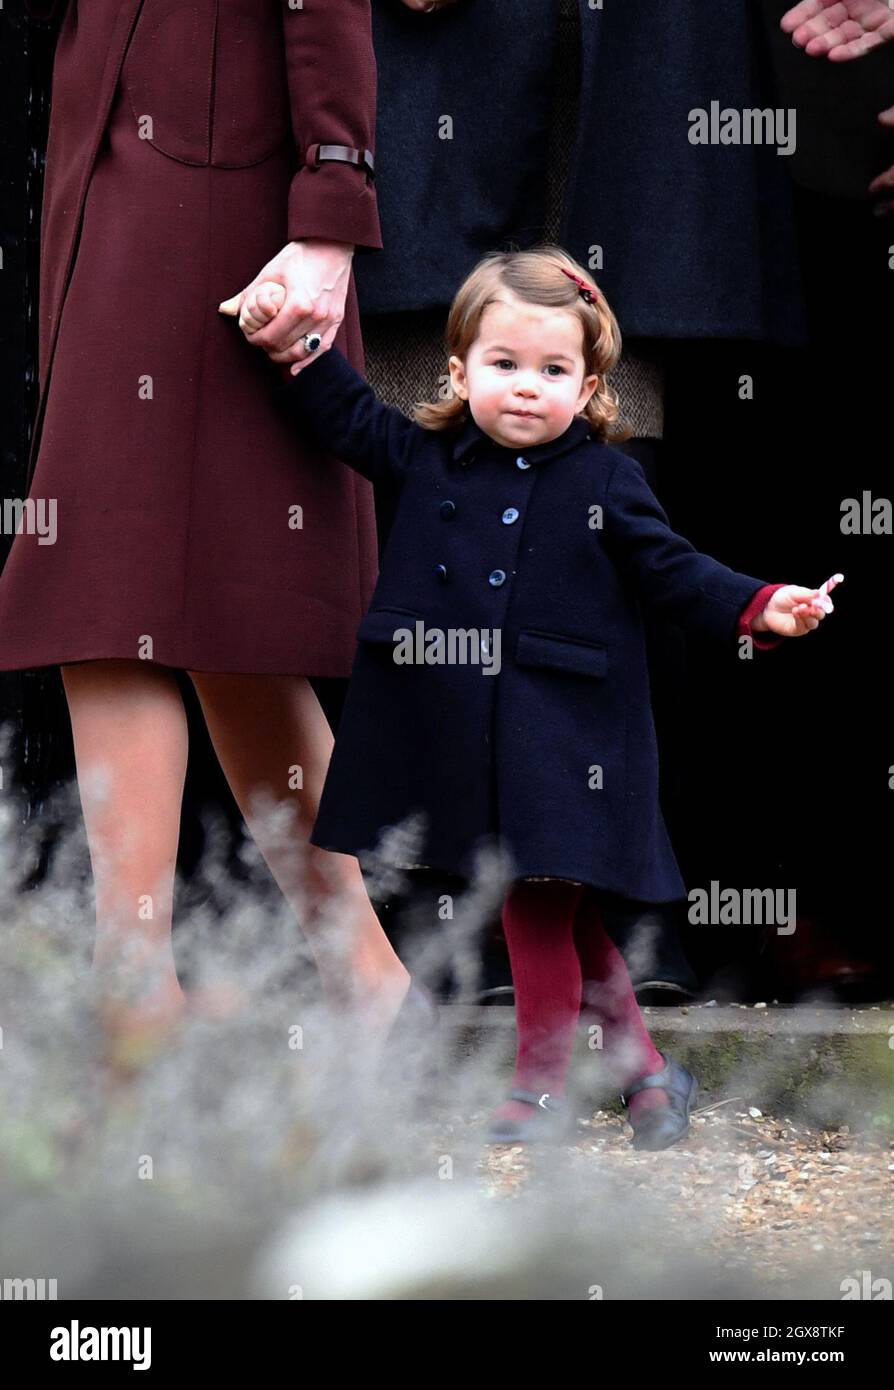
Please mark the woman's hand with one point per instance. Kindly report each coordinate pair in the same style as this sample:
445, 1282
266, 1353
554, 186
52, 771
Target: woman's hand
883, 186
793, 611
315, 276
842, 29
845, 29
426, 5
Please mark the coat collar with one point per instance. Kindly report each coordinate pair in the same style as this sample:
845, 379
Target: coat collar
472, 440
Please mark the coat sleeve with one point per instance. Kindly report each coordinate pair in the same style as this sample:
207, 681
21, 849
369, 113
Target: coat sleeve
335, 405
331, 70
665, 571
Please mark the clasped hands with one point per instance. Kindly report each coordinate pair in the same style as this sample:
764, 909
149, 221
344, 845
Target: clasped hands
302, 290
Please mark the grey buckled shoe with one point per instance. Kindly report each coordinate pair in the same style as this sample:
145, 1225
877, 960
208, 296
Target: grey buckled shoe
550, 1119
659, 1128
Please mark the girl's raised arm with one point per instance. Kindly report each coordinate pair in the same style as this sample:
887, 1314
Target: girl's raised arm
664, 570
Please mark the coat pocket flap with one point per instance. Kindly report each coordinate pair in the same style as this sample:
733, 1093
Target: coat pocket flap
381, 624
561, 653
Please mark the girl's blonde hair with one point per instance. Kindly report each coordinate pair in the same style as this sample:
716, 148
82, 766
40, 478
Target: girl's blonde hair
535, 276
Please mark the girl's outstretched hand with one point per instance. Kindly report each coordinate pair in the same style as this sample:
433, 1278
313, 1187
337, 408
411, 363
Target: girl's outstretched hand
793, 611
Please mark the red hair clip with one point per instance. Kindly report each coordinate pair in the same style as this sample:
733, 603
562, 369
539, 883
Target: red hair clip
587, 292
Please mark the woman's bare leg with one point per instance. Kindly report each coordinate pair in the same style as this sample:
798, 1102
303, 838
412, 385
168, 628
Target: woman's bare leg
130, 741
264, 728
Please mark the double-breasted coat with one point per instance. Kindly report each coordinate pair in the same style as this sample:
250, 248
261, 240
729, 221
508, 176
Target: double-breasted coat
189, 141
549, 555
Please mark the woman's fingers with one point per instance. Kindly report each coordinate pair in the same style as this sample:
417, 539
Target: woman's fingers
264, 304
800, 14
813, 18
297, 317
300, 355
840, 29
884, 183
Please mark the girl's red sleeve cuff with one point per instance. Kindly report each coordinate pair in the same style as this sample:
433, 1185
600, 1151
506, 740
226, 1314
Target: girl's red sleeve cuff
756, 605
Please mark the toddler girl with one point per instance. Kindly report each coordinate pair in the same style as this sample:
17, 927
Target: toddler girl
500, 685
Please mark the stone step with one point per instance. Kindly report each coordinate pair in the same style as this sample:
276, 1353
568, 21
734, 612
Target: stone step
831, 1065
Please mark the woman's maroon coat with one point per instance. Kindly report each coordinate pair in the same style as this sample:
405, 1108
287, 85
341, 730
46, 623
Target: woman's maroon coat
187, 513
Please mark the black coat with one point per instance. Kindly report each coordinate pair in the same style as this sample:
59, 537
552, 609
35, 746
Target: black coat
485, 539
697, 241
447, 194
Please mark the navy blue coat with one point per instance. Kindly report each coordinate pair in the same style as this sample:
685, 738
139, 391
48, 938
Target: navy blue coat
486, 539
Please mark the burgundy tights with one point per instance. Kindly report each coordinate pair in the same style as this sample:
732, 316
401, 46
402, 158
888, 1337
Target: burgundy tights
564, 967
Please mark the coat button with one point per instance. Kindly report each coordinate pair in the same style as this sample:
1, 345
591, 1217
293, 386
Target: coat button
441, 573
447, 510
464, 463
522, 463
496, 578
510, 515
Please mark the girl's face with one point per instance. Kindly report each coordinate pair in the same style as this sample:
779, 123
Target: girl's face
524, 374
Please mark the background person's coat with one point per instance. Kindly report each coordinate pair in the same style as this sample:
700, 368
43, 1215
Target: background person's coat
462, 130
697, 241
178, 164
489, 538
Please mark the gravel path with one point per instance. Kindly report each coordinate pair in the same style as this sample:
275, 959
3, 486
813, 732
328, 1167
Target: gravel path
761, 1194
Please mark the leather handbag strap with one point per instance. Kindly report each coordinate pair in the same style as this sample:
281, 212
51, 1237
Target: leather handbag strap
344, 154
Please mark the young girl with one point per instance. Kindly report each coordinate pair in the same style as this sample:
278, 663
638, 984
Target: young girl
500, 684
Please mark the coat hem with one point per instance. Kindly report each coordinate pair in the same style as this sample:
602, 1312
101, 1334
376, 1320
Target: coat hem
460, 869
321, 670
